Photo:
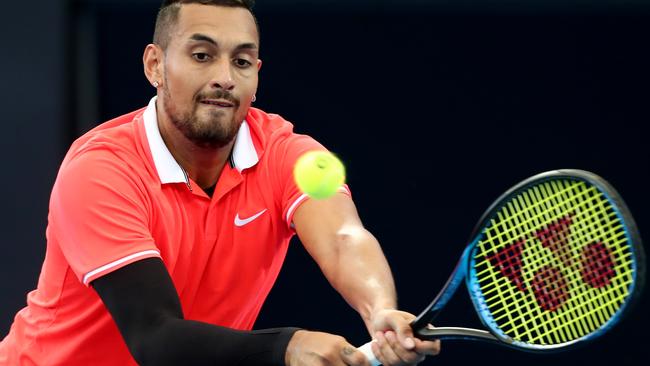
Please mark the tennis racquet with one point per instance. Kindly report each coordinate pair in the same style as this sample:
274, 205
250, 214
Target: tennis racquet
556, 261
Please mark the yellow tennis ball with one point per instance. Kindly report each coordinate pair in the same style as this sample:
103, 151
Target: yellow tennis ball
319, 174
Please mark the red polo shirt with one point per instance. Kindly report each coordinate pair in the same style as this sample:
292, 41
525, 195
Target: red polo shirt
121, 197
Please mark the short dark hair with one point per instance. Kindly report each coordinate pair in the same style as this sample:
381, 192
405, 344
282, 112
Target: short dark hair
169, 10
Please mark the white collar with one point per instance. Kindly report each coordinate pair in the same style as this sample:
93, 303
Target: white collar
244, 154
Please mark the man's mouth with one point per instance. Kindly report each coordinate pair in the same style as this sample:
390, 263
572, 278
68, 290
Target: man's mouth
218, 102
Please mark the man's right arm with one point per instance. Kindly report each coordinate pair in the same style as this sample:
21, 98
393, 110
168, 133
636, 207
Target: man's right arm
144, 304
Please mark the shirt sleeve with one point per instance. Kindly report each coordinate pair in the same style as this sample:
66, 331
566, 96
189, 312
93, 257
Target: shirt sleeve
286, 152
99, 215
143, 301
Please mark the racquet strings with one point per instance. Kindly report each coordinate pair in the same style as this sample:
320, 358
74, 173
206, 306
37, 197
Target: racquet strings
554, 264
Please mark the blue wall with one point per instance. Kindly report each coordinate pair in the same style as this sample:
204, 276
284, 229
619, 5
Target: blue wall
33, 104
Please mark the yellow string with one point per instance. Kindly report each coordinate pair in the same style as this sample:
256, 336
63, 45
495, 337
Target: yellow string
593, 220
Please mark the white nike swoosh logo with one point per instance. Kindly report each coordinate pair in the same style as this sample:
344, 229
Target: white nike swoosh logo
242, 222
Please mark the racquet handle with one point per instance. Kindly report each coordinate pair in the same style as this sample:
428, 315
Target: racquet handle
367, 351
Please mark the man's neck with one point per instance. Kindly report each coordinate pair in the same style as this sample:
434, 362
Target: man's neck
201, 164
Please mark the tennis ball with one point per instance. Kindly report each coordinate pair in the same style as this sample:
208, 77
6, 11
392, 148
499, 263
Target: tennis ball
319, 174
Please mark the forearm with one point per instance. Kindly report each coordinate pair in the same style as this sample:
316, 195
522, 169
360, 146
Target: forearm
185, 342
348, 255
143, 302
353, 262
361, 273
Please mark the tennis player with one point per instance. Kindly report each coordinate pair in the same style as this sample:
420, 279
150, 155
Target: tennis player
168, 225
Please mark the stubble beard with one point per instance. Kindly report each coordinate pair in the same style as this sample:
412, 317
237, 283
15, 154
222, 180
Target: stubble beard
212, 131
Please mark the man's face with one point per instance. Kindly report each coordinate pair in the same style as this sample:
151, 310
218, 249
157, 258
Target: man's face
210, 72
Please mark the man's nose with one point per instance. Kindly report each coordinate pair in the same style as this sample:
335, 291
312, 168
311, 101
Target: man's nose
223, 77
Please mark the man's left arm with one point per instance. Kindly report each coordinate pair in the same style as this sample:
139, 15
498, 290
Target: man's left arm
354, 264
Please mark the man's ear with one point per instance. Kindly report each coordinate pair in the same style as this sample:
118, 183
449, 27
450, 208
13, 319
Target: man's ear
153, 61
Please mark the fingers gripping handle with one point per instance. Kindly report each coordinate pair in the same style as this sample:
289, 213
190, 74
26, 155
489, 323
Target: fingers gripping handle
367, 351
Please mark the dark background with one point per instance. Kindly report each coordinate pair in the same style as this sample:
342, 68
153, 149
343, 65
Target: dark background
436, 107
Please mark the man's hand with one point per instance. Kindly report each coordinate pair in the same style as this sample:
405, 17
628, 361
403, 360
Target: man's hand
394, 343
322, 349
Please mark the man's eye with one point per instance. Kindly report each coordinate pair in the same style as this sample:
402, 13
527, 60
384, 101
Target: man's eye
201, 56
242, 63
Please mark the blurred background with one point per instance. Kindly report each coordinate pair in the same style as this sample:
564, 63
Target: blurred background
435, 106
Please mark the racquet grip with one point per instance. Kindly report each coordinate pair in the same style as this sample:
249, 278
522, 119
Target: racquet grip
367, 351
